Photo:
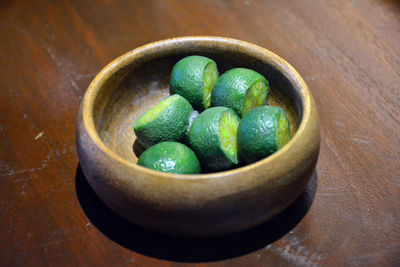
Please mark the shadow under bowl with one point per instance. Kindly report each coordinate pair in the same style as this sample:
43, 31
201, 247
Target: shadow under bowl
191, 205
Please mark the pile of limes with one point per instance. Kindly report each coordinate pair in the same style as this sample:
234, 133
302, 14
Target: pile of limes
235, 123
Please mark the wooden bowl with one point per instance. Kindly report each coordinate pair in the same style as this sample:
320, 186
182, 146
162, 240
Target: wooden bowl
191, 205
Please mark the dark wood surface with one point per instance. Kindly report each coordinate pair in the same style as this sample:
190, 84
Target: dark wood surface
347, 51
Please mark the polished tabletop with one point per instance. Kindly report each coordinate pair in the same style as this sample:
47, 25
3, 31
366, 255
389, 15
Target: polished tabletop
348, 52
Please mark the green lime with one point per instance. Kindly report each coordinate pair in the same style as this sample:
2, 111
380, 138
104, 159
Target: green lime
167, 121
213, 138
262, 131
170, 157
193, 78
241, 90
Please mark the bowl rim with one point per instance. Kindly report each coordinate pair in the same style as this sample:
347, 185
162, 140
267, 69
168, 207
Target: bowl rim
87, 104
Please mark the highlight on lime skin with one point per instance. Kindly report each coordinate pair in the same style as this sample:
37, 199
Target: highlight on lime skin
210, 76
283, 129
228, 125
255, 96
154, 112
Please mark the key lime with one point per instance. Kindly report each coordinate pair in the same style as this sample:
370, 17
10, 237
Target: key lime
262, 131
241, 90
213, 138
193, 78
170, 157
167, 121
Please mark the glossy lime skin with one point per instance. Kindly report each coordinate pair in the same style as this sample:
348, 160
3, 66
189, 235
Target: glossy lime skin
170, 125
170, 157
258, 133
204, 137
230, 88
187, 79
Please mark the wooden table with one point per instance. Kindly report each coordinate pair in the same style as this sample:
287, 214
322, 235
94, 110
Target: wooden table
347, 51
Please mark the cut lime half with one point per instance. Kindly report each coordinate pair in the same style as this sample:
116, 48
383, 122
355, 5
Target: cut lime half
155, 111
167, 121
193, 77
213, 138
241, 90
170, 157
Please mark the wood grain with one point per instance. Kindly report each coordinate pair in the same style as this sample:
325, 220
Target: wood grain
349, 54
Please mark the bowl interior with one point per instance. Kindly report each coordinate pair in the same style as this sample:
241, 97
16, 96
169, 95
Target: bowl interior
143, 82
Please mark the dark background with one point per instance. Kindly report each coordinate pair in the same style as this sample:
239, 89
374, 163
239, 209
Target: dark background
348, 52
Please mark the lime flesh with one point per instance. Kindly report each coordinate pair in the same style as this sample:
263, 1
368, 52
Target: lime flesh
228, 125
255, 96
283, 130
210, 76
